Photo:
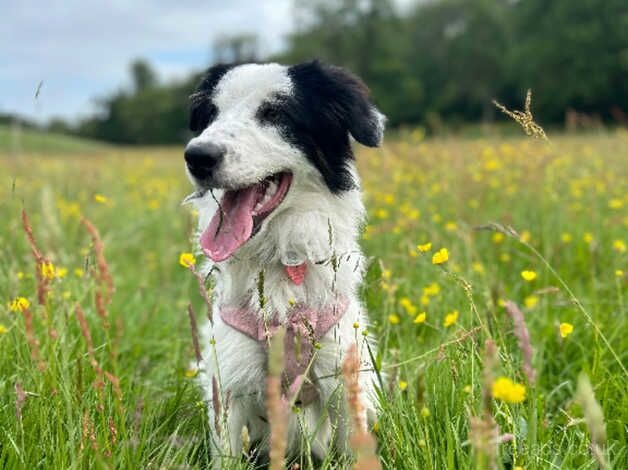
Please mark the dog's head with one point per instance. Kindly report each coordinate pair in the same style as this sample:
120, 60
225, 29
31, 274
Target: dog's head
263, 129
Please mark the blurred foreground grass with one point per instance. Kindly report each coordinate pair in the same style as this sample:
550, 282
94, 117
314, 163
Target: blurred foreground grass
567, 199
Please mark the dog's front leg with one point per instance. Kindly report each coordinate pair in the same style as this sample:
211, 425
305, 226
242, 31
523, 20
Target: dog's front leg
233, 378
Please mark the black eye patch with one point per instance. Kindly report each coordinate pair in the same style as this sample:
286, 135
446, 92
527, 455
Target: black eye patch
202, 112
272, 112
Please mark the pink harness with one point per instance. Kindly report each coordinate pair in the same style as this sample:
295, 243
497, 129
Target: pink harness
304, 328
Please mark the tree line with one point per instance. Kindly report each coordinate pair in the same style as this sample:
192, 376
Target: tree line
436, 63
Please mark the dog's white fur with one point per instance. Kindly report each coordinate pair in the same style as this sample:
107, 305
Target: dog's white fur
298, 230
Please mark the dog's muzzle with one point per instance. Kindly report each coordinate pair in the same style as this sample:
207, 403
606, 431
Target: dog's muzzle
202, 158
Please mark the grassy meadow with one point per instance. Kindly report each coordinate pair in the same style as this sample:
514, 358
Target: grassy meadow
110, 387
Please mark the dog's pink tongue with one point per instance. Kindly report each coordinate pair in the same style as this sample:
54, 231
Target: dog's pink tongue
228, 233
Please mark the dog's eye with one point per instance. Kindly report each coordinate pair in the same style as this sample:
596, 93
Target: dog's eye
269, 113
202, 115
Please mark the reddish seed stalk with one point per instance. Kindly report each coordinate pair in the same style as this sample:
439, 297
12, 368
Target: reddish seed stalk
20, 398
103, 269
523, 335
216, 405
42, 281
203, 292
362, 442
31, 339
276, 407
99, 383
194, 328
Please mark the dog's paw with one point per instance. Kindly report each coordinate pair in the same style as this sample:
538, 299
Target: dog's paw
306, 237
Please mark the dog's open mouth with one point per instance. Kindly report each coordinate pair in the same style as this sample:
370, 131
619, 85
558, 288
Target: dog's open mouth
240, 215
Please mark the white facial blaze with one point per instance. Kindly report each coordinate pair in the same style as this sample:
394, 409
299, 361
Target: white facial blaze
253, 150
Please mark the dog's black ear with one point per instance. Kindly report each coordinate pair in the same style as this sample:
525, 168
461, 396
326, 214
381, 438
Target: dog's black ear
343, 97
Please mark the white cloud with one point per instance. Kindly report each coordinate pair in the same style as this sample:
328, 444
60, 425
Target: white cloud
81, 49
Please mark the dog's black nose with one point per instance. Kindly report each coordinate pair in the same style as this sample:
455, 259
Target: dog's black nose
202, 158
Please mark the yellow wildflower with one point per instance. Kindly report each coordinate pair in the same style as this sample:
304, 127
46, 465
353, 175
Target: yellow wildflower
425, 300
478, 267
61, 272
451, 226
381, 214
78, 272
588, 237
504, 257
498, 237
615, 203
467, 389
408, 306
424, 247
191, 373
19, 304
565, 329
440, 256
566, 238
20, 275
451, 318
99, 198
619, 246
187, 260
425, 412
393, 319
506, 390
386, 274
48, 270
525, 236
528, 275
403, 385
420, 318
3, 329
619, 272
531, 301
432, 290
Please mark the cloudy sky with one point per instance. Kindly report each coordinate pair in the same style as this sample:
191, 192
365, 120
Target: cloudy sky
81, 49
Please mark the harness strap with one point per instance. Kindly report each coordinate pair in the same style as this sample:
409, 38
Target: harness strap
304, 328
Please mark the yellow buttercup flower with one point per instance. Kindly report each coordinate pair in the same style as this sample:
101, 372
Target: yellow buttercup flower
566, 238
394, 319
531, 301
48, 270
451, 318
451, 226
506, 390
565, 329
420, 318
525, 236
424, 247
619, 246
616, 203
528, 275
61, 273
498, 237
440, 256
3, 329
187, 260
425, 412
19, 304
403, 385
619, 273
191, 373
78, 272
100, 199
588, 237
432, 290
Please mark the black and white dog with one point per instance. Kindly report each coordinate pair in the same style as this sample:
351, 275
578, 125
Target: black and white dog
280, 211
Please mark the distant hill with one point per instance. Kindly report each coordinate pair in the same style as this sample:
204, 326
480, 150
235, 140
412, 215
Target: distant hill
20, 139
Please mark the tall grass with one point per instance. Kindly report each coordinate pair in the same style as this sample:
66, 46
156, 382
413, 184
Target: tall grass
92, 377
